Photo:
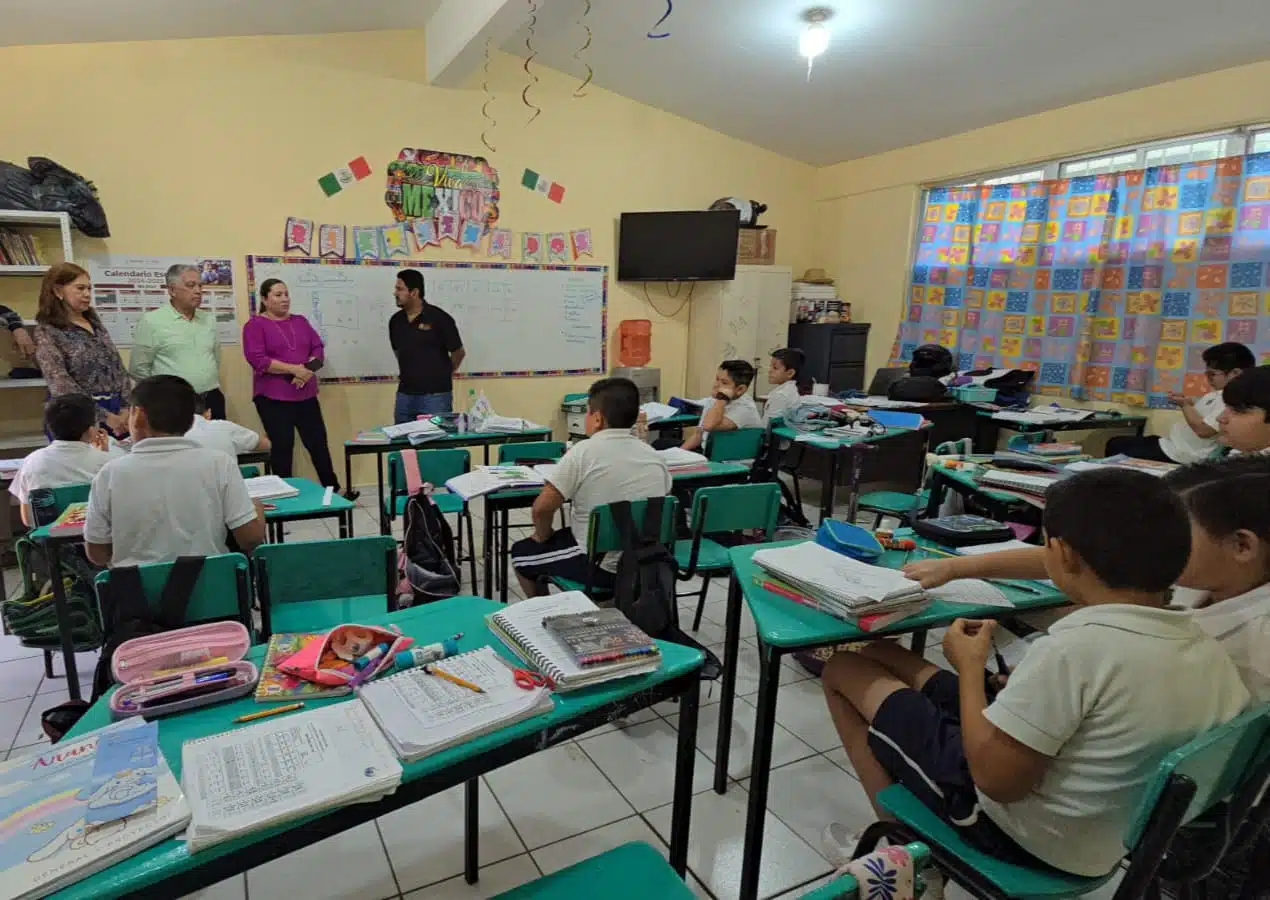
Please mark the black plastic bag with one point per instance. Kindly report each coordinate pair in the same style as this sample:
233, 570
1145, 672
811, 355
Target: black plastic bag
49, 187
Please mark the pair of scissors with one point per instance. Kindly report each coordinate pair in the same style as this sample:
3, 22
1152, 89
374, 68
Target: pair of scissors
527, 680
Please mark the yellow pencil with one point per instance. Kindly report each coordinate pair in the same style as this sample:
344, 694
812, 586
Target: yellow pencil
265, 713
453, 679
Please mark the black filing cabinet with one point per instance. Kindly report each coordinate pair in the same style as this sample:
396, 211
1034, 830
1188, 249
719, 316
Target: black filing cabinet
835, 353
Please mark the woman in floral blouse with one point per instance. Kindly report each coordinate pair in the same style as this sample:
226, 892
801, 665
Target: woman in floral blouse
73, 349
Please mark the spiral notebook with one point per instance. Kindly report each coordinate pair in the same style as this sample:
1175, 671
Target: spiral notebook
520, 627
422, 714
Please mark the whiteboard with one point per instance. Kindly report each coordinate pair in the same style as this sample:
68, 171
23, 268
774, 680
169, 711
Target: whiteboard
513, 319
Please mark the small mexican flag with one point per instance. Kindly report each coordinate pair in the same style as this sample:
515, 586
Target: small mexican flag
535, 182
333, 182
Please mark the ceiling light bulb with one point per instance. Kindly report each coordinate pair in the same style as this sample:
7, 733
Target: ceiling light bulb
814, 40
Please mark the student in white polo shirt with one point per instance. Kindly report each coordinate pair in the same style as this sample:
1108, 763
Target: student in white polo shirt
733, 407
610, 466
169, 497
222, 434
1054, 766
77, 453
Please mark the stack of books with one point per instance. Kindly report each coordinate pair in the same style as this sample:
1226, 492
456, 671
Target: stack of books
839, 585
18, 249
1033, 485
1057, 452
1120, 461
418, 431
270, 487
678, 459
487, 479
506, 425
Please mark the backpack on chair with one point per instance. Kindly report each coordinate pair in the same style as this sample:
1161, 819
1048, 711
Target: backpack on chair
425, 560
644, 590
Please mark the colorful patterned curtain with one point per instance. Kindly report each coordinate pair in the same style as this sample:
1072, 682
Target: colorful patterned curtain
1109, 287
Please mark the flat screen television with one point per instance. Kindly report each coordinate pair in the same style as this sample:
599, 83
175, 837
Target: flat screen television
678, 246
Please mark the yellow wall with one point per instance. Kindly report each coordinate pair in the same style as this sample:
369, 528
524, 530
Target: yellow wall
866, 208
206, 146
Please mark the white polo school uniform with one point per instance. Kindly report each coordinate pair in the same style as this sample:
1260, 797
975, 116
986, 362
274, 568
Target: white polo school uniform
59, 464
223, 435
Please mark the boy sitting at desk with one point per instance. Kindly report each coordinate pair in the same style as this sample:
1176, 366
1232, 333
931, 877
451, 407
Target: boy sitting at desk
77, 453
169, 497
732, 407
1244, 425
610, 466
1054, 767
222, 434
782, 374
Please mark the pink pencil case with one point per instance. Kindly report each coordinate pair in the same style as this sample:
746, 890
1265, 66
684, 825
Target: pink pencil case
171, 672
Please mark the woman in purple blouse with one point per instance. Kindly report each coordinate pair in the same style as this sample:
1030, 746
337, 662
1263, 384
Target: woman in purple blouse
284, 353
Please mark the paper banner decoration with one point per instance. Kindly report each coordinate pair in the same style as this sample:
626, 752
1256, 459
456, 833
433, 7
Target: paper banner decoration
500, 243
299, 236
394, 238
424, 184
531, 247
530, 54
549, 189
557, 247
425, 232
331, 242
333, 182
448, 227
581, 241
366, 241
470, 234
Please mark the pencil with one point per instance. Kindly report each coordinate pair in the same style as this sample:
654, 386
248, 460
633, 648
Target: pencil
1013, 583
937, 552
265, 713
453, 679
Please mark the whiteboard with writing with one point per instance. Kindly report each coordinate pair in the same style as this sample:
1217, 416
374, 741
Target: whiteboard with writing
513, 319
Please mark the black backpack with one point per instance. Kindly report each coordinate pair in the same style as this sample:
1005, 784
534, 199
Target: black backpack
644, 590
127, 615
428, 563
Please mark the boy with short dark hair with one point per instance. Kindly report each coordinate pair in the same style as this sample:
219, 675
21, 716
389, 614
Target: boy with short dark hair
731, 407
1053, 768
783, 372
1244, 425
611, 465
222, 434
78, 451
169, 497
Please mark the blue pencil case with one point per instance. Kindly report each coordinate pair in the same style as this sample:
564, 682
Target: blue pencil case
849, 540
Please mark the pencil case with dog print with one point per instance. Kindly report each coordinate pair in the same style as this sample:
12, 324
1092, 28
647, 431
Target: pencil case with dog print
160, 674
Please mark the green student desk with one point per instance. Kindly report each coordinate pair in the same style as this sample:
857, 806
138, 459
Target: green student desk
499, 504
307, 505
988, 427
168, 870
963, 480
53, 545
784, 627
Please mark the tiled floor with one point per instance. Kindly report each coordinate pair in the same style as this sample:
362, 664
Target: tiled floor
550, 810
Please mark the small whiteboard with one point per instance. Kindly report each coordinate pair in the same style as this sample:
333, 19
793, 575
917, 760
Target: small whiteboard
513, 319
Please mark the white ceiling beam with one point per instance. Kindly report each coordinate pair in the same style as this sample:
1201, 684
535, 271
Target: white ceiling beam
458, 31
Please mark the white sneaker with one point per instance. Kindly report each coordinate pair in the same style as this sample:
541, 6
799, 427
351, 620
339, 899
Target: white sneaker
838, 843
935, 881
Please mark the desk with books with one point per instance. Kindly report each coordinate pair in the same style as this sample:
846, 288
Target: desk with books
53, 538
991, 419
784, 627
309, 502
168, 869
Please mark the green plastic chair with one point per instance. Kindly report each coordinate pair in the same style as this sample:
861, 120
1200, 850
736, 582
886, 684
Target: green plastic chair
316, 585
723, 510
895, 504
734, 446
435, 467
223, 590
549, 450
250, 471
1220, 772
845, 887
602, 538
633, 871
67, 494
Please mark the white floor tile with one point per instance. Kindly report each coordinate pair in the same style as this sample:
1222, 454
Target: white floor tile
310, 530
10, 646
800, 707
640, 761
785, 747
804, 889
351, 864
425, 839
56, 687
230, 889
12, 713
710, 632
747, 668
811, 793
556, 794
840, 759
638, 717
718, 837
20, 677
494, 880
559, 856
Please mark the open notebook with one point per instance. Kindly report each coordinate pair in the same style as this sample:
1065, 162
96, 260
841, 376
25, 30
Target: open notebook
284, 768
269, 487
520, 627
421, 714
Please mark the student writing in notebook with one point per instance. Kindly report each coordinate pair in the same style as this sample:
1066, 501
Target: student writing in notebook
611, 465
169, 497
1053, 767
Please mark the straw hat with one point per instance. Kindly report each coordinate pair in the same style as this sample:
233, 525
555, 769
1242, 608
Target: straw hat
815, 276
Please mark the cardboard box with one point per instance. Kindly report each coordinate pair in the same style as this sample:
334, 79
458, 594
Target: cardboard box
756, 247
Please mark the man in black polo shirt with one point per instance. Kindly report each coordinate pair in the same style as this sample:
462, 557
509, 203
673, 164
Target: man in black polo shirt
428, 348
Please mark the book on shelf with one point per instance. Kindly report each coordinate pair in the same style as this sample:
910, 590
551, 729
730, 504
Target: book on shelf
18, 249
276, 686
421, 714
283, 768
599, 637
520, 627
270, 487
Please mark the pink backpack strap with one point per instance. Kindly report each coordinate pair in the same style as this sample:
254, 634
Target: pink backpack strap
410, 463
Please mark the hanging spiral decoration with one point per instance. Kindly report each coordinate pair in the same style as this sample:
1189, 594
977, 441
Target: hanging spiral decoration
580, 90
492, 123
529, 46
670, 7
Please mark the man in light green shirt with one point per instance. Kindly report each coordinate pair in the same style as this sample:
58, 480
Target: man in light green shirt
180, 339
